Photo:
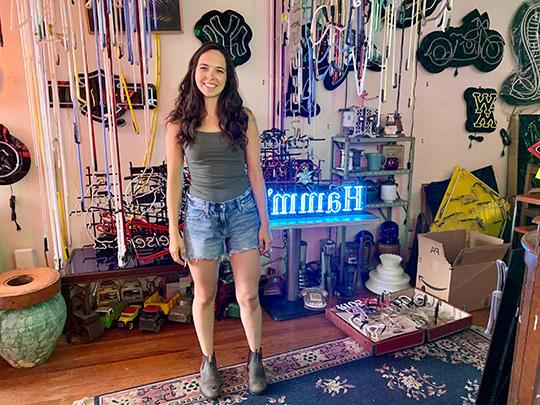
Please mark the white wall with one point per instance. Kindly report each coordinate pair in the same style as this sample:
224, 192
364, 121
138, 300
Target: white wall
438, 119
14, 114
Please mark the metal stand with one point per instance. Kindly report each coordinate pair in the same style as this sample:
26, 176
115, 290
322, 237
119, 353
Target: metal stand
293, 306
294, 237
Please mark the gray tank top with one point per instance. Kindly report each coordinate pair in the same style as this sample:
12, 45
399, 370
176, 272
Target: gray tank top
217, 173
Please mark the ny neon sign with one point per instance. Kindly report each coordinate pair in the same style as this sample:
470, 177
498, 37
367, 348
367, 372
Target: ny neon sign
330, 202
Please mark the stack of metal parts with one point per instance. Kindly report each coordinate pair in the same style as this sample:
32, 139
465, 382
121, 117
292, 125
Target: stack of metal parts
303, 281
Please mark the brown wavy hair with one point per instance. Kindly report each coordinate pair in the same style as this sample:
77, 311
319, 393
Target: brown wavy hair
189, 110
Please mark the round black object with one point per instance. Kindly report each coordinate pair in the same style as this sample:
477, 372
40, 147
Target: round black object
228, 29
389, 232
363, 235
14, 158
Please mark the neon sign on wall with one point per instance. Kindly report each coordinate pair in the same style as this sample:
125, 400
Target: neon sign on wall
322, 203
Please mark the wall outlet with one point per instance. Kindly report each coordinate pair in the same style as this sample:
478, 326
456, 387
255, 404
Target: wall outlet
25, 258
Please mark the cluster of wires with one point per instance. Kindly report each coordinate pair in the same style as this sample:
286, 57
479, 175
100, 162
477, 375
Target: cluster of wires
53, 40
324, 40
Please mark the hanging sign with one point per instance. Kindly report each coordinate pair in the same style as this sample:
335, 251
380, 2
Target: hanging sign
163, 16
135, 92
301, 101
228, 29
473, 43
480, 109
304, 205
407, 9
149, 241
14, 158
535, 150
523, 86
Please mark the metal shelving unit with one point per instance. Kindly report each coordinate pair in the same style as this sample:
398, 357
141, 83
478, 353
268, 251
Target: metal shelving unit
384, 204
373, 173
346, 144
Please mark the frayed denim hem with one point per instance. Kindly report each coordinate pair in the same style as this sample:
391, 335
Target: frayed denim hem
233, 252
197, 259
221, 256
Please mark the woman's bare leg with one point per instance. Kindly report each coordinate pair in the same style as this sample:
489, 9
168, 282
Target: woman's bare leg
246, 270
205, 276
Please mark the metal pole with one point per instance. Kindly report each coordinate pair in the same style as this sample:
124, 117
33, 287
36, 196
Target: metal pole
294, 236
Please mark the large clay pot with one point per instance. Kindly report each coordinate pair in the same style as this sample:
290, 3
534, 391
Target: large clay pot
32, 315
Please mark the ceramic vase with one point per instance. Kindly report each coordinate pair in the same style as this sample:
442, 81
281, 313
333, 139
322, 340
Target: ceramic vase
28, 335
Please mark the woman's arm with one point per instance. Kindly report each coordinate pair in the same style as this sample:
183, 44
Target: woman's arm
174, 156
257, 181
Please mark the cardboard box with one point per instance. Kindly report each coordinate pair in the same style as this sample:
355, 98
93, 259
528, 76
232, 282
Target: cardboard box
459, 266
451, 320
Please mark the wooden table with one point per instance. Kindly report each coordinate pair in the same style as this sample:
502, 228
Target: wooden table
87, 266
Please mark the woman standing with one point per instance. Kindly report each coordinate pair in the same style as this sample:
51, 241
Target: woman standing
226, 211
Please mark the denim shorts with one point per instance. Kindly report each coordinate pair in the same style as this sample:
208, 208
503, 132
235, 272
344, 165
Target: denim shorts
216, 229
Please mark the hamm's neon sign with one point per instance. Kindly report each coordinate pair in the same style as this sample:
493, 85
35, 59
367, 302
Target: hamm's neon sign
331, 202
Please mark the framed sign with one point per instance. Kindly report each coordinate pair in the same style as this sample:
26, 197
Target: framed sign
472, 43
315, 205
168, 17
524, 130
480, 109
522, 87
230, 30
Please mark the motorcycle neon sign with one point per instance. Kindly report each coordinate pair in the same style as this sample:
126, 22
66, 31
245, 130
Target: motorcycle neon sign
473, 43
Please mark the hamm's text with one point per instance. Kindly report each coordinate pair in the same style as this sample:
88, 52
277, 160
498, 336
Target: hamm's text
348, 199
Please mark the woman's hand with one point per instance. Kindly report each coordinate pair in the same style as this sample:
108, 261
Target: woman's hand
265, 239
176, 247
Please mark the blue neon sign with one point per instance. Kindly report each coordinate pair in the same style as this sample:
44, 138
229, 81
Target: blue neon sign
327, 202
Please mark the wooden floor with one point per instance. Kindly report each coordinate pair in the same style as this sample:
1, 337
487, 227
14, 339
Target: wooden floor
121, 359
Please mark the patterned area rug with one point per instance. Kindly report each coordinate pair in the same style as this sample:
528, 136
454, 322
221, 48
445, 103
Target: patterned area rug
446, 371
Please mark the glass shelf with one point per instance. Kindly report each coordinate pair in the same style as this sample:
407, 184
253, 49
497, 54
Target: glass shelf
388, 204
366, 173
318, 221
366, 139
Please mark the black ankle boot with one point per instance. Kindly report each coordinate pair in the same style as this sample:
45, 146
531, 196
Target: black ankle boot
210, 382
257, 376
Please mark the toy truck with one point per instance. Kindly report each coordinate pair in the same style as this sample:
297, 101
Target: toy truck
181, 312
132, 292
108, 314
128, 316
87, 324
155, 312
107, 293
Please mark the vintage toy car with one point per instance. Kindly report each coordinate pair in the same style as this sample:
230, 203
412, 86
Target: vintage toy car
108, 314
128, 316
132, 292
107, 292
88, 327
155, 312
152, 319
165, 305
181, 312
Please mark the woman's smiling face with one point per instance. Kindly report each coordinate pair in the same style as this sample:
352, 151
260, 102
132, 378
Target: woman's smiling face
211, 73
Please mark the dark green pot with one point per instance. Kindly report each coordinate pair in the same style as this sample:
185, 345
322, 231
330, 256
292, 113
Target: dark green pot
28, 335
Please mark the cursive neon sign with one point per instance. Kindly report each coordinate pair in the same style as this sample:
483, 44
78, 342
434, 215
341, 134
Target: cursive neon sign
330, 202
